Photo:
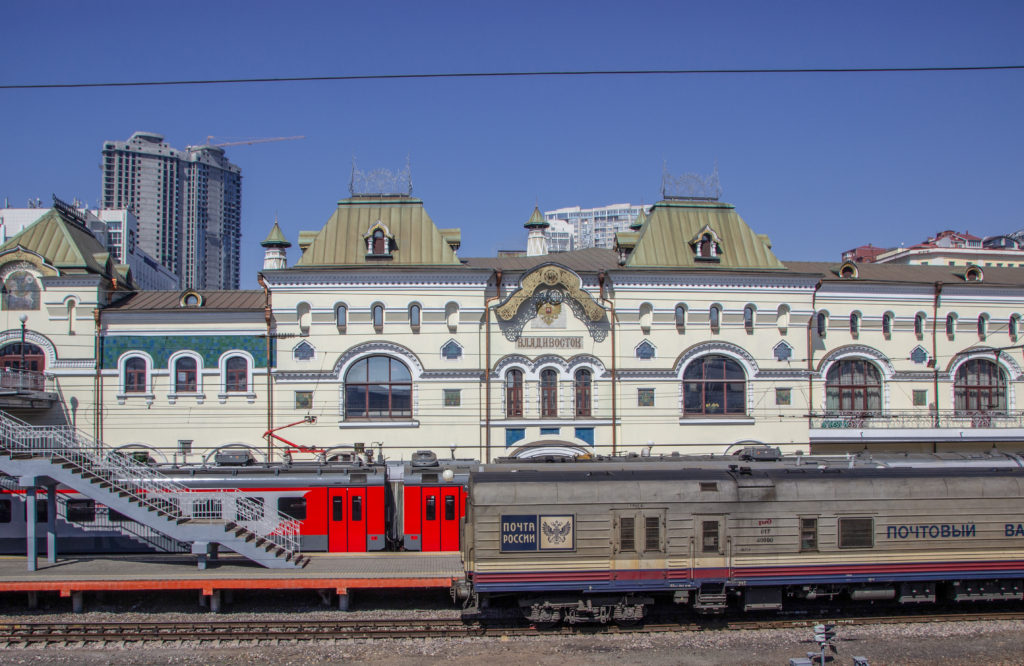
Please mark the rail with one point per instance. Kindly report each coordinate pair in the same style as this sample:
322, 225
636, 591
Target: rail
147, 486
22, 380
950, 419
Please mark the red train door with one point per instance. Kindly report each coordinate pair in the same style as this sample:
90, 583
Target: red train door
346, 532
440, 519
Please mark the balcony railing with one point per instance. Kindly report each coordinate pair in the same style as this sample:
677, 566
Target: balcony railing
952, 419
22, 380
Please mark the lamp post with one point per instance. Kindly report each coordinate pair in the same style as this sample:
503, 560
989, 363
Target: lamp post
23, 318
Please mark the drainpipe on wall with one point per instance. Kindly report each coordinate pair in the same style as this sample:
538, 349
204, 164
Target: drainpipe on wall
270, 393
97, 420
810, 357
935, 349
487, 375
601, 277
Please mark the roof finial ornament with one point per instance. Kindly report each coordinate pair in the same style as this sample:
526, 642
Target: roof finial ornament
381, 182
690, 186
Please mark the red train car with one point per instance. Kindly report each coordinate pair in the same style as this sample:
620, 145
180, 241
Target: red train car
433, 502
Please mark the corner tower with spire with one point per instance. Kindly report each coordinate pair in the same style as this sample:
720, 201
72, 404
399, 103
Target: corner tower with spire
536, 243
276, 253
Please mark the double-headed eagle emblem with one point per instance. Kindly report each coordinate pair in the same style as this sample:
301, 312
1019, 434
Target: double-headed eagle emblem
556, 531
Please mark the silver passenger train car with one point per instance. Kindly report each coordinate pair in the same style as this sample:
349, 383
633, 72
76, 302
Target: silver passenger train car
604, 540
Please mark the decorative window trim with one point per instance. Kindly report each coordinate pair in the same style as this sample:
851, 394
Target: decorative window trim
645, 343
680, 313
457, 357
222, 365
147, 394
341, 316
191, 298
173, 394
389, 244
706, 245
378, 326
777, 351
415, 311
821, 323
855, 322
715, 313
888, 322
749, 318
849, 271
920, 324
303, 343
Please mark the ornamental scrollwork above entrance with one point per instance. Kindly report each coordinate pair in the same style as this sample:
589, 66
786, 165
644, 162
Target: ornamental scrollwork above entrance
542, 293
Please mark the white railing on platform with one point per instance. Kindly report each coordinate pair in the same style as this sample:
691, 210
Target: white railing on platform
146, 485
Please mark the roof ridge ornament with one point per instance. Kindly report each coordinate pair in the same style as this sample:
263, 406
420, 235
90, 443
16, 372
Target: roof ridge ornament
690, 186
381, 182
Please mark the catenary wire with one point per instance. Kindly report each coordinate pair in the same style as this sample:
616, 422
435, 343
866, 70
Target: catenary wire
525, 74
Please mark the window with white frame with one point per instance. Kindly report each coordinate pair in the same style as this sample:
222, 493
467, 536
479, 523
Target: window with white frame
185, 374
236, 375
136, 375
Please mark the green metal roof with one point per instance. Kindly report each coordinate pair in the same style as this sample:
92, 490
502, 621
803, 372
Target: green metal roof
341, 242
536, 220
65, 244
666, 237
275, 238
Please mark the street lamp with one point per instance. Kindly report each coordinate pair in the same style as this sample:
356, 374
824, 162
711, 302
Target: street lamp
23, 318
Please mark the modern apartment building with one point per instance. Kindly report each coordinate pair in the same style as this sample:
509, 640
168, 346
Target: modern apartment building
188, 203
593, 227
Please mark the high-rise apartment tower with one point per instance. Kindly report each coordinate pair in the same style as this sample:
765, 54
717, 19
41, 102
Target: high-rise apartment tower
188, 203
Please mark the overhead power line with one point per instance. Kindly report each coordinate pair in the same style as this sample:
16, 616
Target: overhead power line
495, 75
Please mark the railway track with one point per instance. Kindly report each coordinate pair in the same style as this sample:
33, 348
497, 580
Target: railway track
22, 634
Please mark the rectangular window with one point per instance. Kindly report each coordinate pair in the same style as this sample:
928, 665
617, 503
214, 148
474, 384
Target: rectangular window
708, 486
431, 508
303, 400
449, 508
652, 533
856, 532
337, 509
550, 431
783, 396
293, 507
81, 511
808, 534
5, 511
709, 536
452, 397
645, 397
627, 539
357, 508
920, 397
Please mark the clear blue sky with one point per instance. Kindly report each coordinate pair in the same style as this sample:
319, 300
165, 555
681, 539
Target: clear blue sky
821, 163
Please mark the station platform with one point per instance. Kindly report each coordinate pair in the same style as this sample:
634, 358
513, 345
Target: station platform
72, 575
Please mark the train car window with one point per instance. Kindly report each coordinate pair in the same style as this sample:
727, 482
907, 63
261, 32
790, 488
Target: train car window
5, 511
431, 508
40, 511
652, 533
708, 486
357, 508
627, 539
293, 507
337, 509
709, 540
808, 534
449, 508
856, 532
254, 509
81, 511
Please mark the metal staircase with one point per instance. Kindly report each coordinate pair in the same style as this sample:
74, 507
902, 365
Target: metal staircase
205, 519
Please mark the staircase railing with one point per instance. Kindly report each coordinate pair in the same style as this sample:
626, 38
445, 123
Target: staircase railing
146, 485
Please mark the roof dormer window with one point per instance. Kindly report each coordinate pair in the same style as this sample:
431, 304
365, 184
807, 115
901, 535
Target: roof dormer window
380, 243
706, 245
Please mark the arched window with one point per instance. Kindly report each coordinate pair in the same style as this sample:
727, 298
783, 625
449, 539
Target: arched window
950, 325
919, 325
982, 326
853, 386
854, 323
341, 315
715, 314
11, 357
681, 318
379, 242
583, 392
782, 318
236, 375
514, 393
302, 311
378, 387
72, 306
822, 324
706, 246
714, 385
186, 375
887, 324
378, 317
1013, 327
748, 319
135, 379
414, 317
548, 393
451, 316
646, 317
979, 386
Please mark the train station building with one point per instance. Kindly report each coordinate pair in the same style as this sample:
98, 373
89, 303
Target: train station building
690, 336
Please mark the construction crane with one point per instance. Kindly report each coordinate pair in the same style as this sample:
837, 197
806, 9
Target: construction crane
249, 142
